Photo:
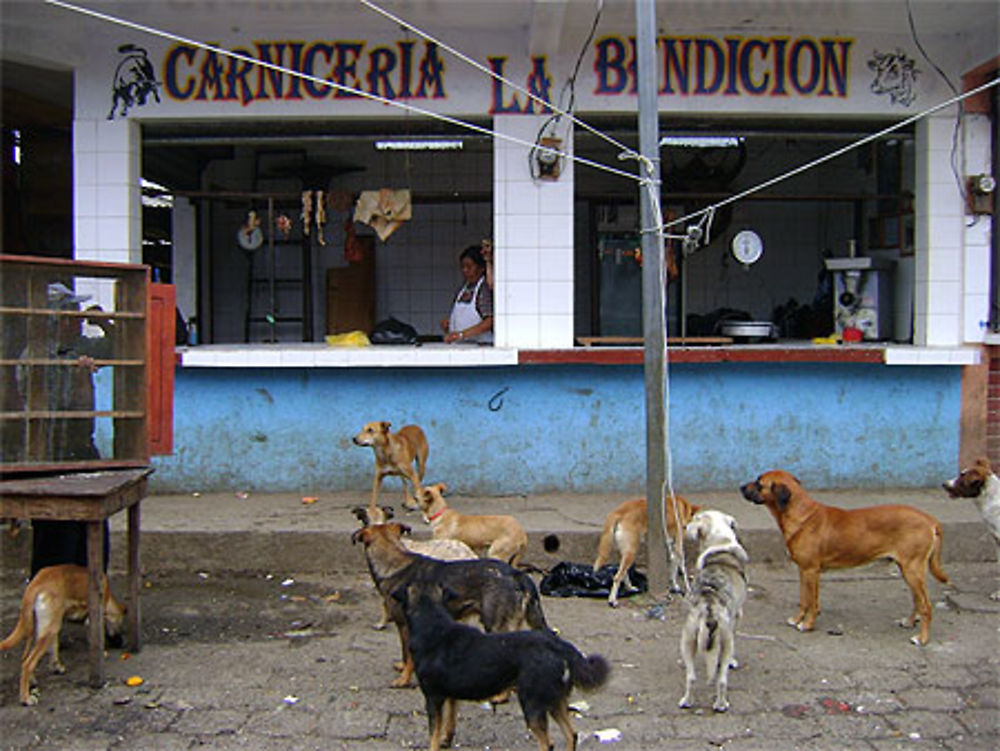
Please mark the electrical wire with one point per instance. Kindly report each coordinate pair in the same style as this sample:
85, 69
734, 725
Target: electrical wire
959, 116
832, 155
329, 84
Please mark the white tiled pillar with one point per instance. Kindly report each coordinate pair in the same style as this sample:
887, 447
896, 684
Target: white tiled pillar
107, 198
939, 236
533, 234
976, 253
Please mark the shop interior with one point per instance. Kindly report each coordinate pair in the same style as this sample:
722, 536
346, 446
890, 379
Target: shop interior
296, 280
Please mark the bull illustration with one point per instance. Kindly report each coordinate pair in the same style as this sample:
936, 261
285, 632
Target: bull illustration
895, 75
134, 82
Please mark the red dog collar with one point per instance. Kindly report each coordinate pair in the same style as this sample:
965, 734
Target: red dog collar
432, 517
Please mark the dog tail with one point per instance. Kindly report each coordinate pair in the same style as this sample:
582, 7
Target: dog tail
708, 640
588, 672
534, 616
25, 623
605, 544
935, 557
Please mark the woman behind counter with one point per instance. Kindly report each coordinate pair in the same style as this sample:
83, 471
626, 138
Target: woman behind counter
471, 318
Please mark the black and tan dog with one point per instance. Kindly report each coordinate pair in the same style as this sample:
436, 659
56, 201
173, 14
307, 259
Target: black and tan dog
443, 550
819, 538
503, 598
458, 662
55, 593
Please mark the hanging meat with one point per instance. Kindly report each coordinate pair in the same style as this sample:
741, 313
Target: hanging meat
320, 216
306, 215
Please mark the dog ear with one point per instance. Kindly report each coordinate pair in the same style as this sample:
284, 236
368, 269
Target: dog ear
441, 487
732, 522
781, 494
385, 425
399, 595
361, 513
362, 534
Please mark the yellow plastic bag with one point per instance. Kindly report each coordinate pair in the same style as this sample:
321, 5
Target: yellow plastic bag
355, 338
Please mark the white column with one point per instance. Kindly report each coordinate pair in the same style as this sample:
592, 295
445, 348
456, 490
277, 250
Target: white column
976, 253
533, 233
107, 199
939, 230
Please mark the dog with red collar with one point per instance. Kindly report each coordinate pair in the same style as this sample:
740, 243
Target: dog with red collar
499, 536
980, 483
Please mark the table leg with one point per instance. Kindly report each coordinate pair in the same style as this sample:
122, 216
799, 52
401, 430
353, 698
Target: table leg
95, 602
134, 577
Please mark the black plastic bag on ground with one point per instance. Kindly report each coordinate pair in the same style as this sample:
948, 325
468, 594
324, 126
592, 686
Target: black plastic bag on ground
580, 580
393, 331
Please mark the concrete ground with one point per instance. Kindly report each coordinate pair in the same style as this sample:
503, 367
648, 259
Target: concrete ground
257, 620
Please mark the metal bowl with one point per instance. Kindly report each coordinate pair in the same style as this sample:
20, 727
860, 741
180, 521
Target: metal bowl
748, 330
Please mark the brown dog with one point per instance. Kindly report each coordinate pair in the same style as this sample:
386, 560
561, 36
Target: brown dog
500, 537
626, 527
395, 454
820, 537
504, 598
55, 593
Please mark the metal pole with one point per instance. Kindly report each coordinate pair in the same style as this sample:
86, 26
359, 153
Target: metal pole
652, 294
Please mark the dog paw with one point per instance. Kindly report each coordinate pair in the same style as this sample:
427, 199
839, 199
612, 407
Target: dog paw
721, 706
401, 682
995, 595
613, 603
793, 622
379, 626
734, 664
917, 640
685, 702
31, 699
59, 669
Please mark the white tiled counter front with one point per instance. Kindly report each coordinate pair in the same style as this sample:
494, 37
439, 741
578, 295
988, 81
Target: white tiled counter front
286, 355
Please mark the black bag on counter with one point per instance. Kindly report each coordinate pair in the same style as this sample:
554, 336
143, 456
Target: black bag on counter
393, 331
580, 580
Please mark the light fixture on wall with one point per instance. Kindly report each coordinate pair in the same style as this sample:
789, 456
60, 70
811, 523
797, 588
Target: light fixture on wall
420, 144
549, 161
702, 142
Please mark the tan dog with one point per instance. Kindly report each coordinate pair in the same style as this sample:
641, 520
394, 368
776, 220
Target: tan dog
500, 537
626, 527
980, 483
442, 550
395, 454
820, 537
56, 592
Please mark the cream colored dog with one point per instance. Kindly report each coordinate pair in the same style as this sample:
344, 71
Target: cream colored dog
625, 529
500, 537
715, 604
55, 593
395, 454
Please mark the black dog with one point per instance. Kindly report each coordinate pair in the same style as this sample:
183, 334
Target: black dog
454, 661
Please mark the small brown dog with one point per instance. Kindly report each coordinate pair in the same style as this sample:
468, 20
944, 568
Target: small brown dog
500, 537
820, 537
626, 527
395, 454
55, 593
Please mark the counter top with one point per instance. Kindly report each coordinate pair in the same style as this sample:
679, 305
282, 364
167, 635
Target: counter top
305, 355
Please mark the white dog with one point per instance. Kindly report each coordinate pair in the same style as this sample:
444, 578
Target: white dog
980, 483
715, 603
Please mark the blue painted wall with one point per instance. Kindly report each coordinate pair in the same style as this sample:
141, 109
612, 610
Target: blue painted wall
564, 428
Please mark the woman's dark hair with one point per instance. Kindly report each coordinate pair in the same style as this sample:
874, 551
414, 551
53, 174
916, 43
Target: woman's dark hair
475, 254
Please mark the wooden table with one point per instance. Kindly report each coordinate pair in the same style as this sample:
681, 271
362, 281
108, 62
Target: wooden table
89, 497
